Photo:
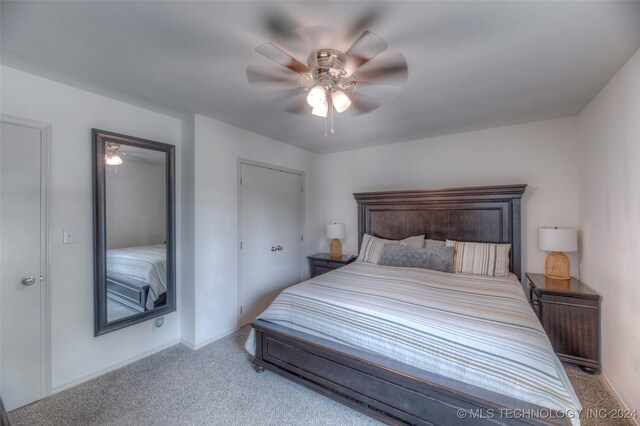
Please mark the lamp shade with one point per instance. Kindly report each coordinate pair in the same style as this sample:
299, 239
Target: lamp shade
341, 101
317, 96
113, 160
336, 231
321, 109
556, 238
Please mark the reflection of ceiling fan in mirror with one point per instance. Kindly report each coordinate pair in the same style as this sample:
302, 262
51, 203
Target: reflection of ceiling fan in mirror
333, 81
112, 154
115, 154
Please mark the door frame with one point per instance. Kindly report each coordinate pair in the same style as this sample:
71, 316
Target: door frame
254, 163
45, 240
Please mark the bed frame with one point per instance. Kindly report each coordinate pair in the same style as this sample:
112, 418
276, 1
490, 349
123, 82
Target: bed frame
390, 391
132, 295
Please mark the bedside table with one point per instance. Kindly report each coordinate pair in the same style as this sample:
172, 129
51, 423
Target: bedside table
569, 311
321, 263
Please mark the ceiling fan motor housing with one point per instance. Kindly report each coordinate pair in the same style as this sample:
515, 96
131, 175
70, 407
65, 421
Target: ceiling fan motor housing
327, 64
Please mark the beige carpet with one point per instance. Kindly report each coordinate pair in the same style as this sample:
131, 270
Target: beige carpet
216, 385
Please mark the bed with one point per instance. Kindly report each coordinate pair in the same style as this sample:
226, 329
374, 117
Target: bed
393, 382
137, 276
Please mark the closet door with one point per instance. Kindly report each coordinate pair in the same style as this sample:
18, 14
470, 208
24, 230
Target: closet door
20, 266
271, 220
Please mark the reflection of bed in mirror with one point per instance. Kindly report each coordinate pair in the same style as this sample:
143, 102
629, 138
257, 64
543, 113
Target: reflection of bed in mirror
136, 276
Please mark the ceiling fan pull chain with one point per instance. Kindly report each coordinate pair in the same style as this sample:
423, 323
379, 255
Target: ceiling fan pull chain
325, 126
331, 109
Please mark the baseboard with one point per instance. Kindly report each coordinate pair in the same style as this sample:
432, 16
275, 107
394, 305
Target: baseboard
195, 347
113, 367
612, 390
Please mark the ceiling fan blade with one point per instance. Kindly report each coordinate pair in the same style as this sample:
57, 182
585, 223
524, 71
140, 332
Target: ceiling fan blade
282, 95
256, 76
297, 106
365, 21
364, 49
283, 58
376, 91
395, 69
362, 104
281, 25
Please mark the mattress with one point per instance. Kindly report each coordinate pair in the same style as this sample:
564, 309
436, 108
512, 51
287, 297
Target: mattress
475, 329
140, 266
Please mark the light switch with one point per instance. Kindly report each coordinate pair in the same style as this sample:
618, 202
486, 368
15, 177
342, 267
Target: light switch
69, 236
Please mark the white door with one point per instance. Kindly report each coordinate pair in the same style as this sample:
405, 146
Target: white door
20, 264
271, 217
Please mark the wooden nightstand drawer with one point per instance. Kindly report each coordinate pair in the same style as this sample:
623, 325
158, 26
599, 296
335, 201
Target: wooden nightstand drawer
322, 263
327, 264
569, 300
319, 270
572, 330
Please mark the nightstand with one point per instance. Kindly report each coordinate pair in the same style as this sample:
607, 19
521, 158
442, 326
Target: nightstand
569, 311
321, 263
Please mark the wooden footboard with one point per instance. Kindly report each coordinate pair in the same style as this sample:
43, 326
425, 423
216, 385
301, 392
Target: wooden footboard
129, 294
389, 391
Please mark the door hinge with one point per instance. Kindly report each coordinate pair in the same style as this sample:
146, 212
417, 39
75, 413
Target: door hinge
240, 245
301, 237
303, 189
240, 180
240, 310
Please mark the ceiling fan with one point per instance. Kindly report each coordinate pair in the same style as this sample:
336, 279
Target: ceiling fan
332, 80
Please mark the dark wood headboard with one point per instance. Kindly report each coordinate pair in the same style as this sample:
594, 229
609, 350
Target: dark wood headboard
488, 214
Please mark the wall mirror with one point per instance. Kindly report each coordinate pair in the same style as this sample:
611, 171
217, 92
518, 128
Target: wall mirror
134, 230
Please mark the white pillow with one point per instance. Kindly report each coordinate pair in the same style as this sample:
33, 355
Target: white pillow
417, 241
371, 248
431, 244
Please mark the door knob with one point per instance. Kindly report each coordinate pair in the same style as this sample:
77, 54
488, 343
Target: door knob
28, 280
278, 248
273, 248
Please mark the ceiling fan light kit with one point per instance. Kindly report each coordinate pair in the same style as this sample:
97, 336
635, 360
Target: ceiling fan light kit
330, 80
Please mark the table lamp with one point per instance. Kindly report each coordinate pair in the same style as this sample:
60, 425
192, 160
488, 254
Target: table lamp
336, 231
557, 240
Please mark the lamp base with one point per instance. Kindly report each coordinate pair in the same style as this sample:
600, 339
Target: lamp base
557, 266
336, 248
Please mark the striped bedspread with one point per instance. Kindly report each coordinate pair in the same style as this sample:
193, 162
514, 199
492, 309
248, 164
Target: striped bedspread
140, 265
475, 329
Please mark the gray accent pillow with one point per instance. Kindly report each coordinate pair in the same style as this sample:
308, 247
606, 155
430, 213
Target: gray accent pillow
437, 258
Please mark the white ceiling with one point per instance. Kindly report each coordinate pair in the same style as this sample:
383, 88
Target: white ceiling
472, 65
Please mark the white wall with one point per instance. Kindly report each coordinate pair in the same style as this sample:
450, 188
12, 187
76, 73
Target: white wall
136, 204
542, 155
218, 147
72, 113
610, 222
186, 252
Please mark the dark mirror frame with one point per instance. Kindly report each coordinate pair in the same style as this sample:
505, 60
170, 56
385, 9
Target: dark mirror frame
100, 137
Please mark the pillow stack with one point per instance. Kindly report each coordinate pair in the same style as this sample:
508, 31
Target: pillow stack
451, 256
413, 252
